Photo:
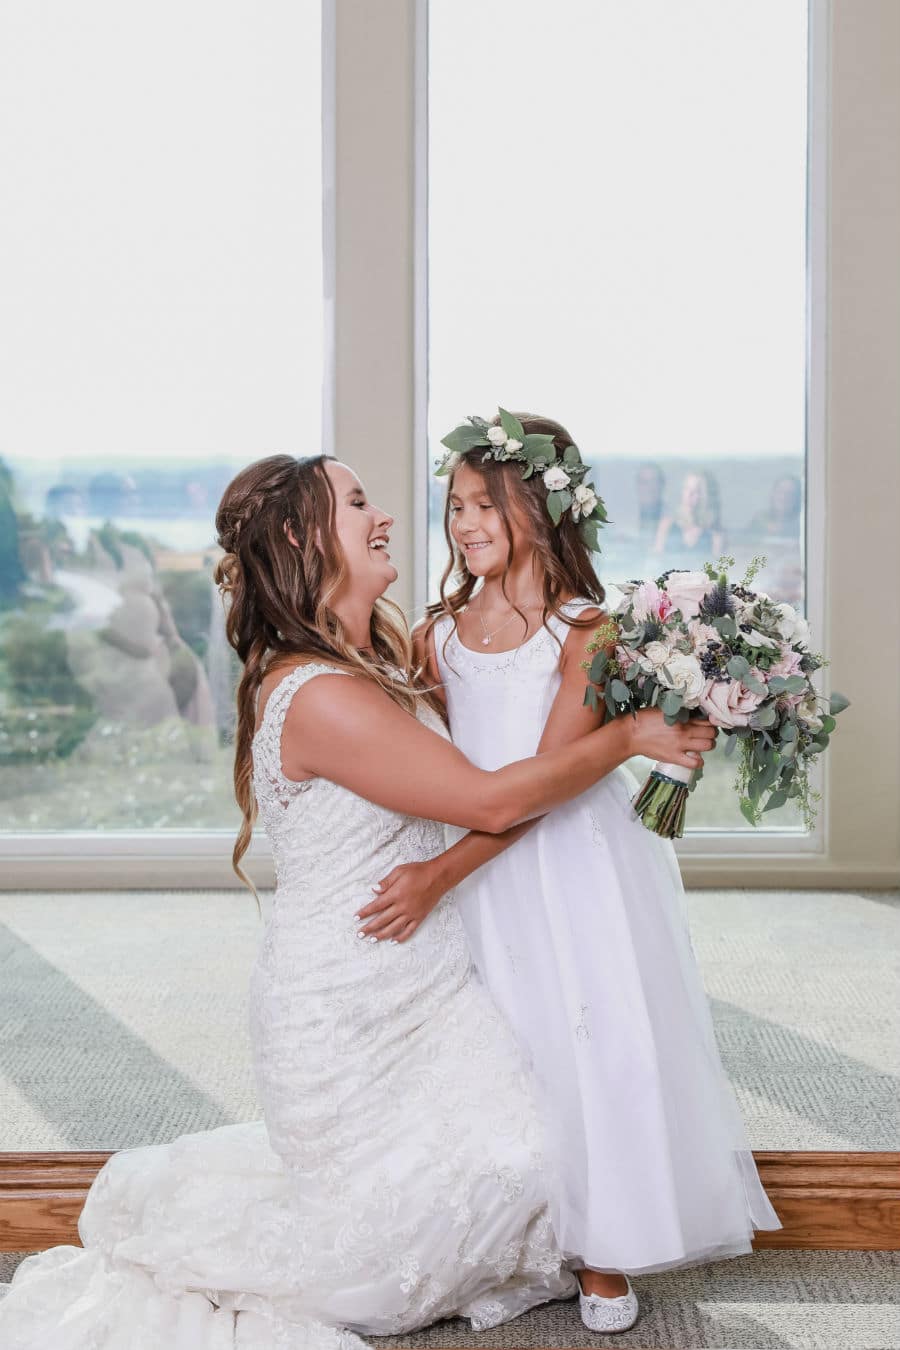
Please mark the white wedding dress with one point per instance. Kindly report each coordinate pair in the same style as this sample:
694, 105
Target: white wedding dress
399, 1176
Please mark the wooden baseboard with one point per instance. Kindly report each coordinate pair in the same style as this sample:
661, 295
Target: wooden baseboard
843, 1201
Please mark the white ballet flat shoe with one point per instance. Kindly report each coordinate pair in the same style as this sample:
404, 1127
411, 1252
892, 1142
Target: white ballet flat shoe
609, 1314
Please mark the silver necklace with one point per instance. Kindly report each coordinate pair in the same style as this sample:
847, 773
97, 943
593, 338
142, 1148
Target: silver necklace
485, 641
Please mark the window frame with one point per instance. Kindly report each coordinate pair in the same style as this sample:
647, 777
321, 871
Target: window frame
379, 424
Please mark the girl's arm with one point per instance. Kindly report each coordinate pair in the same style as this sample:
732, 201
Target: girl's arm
407, 895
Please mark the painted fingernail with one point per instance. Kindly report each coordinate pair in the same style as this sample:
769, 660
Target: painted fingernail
394, 942
356, 918
375, 888
373, 938
360, 934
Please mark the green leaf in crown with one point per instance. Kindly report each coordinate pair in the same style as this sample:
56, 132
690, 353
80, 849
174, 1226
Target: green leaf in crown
566, 478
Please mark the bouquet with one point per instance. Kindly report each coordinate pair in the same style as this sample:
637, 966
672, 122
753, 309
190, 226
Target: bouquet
695, 645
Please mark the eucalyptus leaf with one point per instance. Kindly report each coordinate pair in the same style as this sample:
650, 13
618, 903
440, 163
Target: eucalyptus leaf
730, 744
571, 455
763, 717
738, 667
837, 703
748, 811
776, 800
463, 438
828, 725
537, 446
554, 506
511, 425
795, 684
620, 691
777, 684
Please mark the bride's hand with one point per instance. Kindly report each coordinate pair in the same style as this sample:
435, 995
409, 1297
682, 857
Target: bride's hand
405, 898
684, 743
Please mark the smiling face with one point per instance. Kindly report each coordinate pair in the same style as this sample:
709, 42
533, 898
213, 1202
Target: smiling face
363, 532
478, 529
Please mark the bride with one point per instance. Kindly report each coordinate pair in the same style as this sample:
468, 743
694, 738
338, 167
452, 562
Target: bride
399, 1174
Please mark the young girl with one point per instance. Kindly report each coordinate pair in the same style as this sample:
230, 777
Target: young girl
576, 921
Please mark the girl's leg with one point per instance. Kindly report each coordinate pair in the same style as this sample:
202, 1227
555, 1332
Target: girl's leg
597, 1282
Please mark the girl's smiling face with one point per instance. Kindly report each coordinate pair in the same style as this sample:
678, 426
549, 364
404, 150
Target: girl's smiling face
477, 527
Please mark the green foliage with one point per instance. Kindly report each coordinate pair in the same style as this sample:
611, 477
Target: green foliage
37, 666
189, 595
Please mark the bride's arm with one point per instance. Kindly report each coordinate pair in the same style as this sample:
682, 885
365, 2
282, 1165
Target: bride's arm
349, 731
407, 895
413, 889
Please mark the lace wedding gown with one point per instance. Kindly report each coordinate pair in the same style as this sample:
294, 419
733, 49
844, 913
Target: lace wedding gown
399, 1176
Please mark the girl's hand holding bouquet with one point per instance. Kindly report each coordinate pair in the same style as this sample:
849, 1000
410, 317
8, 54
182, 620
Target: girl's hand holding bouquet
695, 645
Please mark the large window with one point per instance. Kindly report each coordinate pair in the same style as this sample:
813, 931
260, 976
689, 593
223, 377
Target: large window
617, 201
160, 326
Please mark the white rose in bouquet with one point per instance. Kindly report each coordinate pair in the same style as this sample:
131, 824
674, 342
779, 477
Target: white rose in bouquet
653, 657
793, 626
682, 672
556, 478
496, 436
686, 590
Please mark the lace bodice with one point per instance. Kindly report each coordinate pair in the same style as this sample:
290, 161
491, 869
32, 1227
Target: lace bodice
321, 832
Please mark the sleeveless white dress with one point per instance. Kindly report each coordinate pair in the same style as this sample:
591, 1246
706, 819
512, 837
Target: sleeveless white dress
400, 1174
579, 931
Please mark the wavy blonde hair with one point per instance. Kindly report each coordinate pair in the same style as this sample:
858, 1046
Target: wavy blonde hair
278, 601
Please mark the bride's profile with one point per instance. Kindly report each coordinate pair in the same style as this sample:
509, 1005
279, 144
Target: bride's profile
398, 1175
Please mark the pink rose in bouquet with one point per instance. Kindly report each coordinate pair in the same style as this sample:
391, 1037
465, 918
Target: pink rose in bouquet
729, 703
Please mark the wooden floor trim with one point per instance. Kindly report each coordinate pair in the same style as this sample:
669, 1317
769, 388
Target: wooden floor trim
840, 1201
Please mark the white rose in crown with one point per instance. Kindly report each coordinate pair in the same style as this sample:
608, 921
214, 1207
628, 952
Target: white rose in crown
556, 478
683, 672
585, 501
686, 590
513, 445
496, 436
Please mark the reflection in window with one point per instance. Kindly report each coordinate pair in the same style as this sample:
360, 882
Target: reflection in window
160, 261
616, 237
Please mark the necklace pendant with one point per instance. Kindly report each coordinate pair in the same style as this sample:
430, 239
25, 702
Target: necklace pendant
485, 641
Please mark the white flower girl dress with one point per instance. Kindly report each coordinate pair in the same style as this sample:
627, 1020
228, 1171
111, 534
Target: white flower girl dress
580, 934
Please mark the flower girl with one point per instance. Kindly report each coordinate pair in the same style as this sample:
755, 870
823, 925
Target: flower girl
576, 921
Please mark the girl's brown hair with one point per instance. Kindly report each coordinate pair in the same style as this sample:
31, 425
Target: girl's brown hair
278, 598
565, 560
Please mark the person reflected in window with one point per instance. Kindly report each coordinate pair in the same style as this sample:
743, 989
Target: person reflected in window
781, 519
693, 535
650, 486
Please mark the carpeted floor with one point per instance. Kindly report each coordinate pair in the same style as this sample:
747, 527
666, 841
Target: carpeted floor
122, 1016
767, 1301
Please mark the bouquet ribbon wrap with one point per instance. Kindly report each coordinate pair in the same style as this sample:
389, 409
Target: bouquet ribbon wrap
662, 801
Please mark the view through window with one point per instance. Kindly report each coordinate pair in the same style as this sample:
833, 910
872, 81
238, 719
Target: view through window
161, 326
617, 239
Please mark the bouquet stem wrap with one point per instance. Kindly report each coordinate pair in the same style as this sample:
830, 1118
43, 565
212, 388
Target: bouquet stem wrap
662, 801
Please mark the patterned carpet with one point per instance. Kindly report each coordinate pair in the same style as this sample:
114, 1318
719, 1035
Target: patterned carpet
767, 1301
122, 1016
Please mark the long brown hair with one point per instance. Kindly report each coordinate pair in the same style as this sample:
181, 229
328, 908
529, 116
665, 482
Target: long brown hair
564, 557
278, 598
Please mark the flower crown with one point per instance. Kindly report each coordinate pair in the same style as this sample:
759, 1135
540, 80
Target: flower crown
566, 478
